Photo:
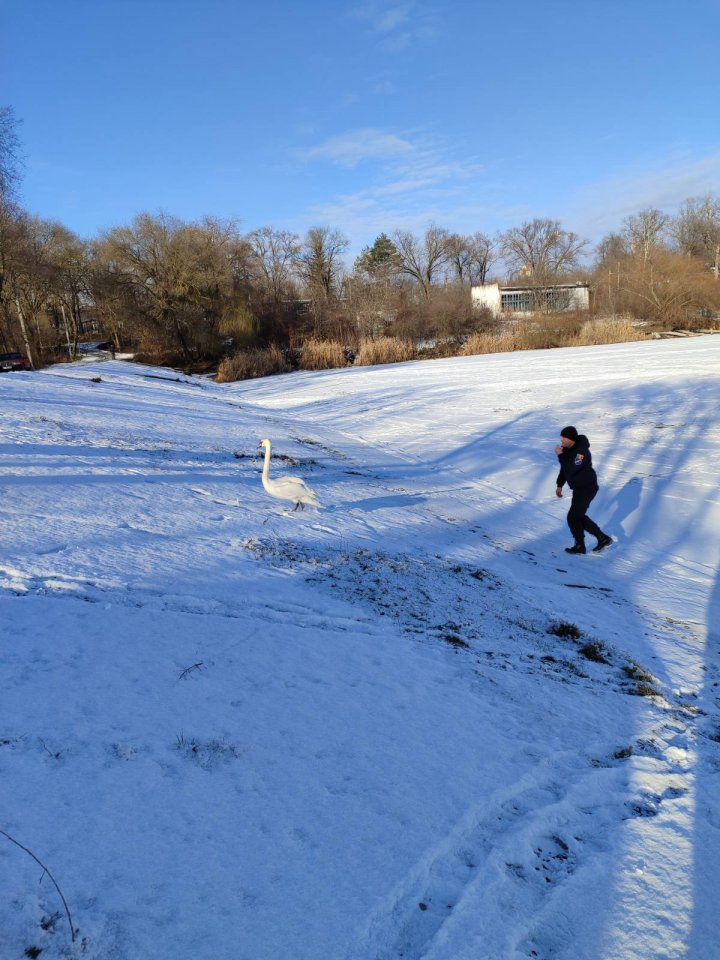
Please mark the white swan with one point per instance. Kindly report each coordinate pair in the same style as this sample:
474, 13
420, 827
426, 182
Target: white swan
286, 488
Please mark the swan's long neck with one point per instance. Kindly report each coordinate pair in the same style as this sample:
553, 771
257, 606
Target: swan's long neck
266, 465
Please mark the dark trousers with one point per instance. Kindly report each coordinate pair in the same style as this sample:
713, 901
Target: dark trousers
577, 521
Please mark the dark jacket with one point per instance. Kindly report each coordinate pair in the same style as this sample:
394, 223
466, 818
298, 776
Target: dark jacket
576, 467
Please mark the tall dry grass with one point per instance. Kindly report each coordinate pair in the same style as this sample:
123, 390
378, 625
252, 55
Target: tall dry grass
384, 350
502, 341
322, 355
248, 364
608, 330
554, 330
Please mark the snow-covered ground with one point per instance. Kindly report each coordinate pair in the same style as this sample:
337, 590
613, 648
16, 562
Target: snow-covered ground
406, 725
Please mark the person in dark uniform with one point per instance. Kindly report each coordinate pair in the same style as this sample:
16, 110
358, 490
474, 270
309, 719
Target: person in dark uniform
576, 469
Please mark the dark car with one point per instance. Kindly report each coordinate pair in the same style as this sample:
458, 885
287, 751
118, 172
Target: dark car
13, 361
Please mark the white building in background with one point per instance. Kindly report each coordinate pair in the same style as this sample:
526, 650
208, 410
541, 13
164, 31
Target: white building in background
525, 301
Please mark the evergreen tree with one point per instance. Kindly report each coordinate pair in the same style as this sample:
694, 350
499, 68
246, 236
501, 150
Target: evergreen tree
380, 261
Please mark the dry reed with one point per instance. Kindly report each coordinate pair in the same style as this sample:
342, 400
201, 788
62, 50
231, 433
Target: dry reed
322, 355
248, 364
608, 330
501, 342
384, 350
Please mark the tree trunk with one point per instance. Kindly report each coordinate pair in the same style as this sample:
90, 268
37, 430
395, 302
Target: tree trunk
22, 324
71, 351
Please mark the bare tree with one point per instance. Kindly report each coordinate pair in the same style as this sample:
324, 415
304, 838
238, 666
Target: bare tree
69, 258
9, 153
481, 252
22, 275
186, 280
457, 249
612, 256
10, 217
319, 263
670, 287
422, 259
10, 232
540, 251
32, 278
612, 249
112, 299
697, 230
470, 256
273, 253
643, 232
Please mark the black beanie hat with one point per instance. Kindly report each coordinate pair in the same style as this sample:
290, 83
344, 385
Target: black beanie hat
569, 432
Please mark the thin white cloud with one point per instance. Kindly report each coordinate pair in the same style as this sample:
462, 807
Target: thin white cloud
403, 157
390, 19
600, 207
356, 146
384, 88
398, 26
383, 19
408, 182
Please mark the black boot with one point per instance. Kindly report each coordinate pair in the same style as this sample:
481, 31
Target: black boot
576, 548
603, 541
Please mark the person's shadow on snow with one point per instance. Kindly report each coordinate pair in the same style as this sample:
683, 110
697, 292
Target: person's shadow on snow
624, 503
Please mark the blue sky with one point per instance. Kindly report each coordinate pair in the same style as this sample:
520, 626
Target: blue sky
367, 117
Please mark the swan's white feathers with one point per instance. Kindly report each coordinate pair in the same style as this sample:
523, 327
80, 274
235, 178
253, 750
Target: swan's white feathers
293, 489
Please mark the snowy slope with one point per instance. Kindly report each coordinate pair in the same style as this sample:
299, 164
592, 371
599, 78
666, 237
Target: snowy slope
406, 725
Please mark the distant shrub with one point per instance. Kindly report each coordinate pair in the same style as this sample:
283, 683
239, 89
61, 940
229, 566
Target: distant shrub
565, 629
322, 355
384, 350
608, 330
248, 364
596, 651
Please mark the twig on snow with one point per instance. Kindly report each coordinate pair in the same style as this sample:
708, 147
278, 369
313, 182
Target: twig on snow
45, 871
188, 670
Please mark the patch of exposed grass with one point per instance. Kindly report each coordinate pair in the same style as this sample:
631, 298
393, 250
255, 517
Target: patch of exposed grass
643, 682
565, 629
633, 671
455, 641
596, 651
643, 690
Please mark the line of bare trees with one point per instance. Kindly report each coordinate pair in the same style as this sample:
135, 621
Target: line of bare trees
193, 292
662, 267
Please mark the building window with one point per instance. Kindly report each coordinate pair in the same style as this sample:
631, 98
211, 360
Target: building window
558, 299
547, 299
519, 302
